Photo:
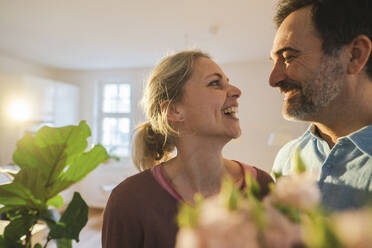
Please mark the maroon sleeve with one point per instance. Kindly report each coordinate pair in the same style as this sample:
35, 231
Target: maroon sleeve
264, 180
121, 227
262, 177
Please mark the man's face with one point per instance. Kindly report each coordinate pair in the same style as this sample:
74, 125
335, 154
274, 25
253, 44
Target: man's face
309, 79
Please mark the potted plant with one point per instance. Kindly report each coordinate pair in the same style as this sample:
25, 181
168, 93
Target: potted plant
50, 161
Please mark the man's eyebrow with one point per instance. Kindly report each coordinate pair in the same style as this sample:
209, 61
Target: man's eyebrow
285, 49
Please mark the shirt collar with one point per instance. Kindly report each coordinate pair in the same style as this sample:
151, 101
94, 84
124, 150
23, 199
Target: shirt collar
312, 129
362, 138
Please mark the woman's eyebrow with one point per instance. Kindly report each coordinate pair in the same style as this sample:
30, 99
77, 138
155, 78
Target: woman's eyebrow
218, 75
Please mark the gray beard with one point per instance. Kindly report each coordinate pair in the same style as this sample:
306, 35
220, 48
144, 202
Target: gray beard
318, 92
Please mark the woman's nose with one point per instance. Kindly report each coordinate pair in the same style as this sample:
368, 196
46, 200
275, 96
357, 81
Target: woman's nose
234, 91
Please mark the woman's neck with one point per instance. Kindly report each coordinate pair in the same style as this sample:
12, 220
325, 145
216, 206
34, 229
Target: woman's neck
199, 168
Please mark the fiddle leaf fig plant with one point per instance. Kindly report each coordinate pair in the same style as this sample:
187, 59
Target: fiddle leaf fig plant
50, 161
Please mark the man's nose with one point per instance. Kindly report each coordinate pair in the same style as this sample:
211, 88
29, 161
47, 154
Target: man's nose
277, 74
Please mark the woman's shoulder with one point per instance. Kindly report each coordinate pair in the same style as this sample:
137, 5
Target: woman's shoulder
142, 178
122, 213
134, 187
141, 188
262, 177
255, 172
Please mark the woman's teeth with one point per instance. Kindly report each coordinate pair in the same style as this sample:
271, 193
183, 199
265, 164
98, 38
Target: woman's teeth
230, 111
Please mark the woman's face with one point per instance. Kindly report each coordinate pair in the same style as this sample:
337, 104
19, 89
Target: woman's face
209, 102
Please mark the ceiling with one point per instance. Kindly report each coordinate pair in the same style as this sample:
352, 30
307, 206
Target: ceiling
97, 34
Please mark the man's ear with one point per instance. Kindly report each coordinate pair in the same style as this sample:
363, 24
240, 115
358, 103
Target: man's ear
359, 51
174, 112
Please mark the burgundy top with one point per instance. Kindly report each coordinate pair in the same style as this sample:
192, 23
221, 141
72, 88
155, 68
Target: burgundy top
158, 173
141, 212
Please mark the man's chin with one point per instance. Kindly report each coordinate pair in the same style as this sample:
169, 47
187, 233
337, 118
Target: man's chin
295, 115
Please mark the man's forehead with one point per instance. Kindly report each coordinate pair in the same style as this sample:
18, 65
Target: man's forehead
294, 32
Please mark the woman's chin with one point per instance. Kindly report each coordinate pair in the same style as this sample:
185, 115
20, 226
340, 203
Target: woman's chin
236, 134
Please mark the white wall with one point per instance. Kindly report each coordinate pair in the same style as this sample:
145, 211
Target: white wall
13, 66
23, 79
88, 80
11, 70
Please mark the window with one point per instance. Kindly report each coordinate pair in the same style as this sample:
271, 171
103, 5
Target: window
115, 118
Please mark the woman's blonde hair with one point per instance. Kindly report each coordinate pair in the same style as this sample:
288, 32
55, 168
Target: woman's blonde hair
155, 139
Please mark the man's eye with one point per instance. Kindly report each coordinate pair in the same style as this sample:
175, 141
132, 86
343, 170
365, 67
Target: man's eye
288, 58
214, 83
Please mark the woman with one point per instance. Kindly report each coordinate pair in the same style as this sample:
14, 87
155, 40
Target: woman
192, 107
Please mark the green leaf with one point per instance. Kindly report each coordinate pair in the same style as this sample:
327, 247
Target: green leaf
64, 243
318, 232
2, 242
277, 175
8, 244
16, 194
19, 227
188, 215
20, 212
291, 212
231, 194
51, 149
299, 165
6, 209
50, 217
252, 188
57, 201
72, 221
32, 179
81, 167
54, 159
49, 162
38, 245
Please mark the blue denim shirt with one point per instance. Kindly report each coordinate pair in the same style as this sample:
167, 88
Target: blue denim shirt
345, 171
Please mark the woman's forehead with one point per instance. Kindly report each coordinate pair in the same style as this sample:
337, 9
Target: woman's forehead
204, 68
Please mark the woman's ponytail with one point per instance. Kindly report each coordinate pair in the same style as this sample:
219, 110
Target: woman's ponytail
150, 147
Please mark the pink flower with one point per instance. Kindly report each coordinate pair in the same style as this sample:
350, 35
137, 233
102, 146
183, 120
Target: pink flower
354, 228
187, 238
219, 227
280, 232
297, 190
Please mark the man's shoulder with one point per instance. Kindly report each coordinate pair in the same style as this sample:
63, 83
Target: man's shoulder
290, 147
282, 162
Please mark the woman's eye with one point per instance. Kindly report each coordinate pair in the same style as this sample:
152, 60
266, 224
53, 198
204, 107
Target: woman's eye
214, 83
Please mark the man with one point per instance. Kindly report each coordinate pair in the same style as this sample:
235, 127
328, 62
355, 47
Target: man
323, 66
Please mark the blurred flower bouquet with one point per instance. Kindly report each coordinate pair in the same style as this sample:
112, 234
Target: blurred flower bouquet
290, 216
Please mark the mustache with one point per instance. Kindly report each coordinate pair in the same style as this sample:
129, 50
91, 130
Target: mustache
286, 86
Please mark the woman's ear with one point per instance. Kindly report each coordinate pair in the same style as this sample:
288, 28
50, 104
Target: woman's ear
359, 51
173, 110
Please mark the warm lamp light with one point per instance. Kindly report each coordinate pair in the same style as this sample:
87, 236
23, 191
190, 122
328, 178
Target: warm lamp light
19, 110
